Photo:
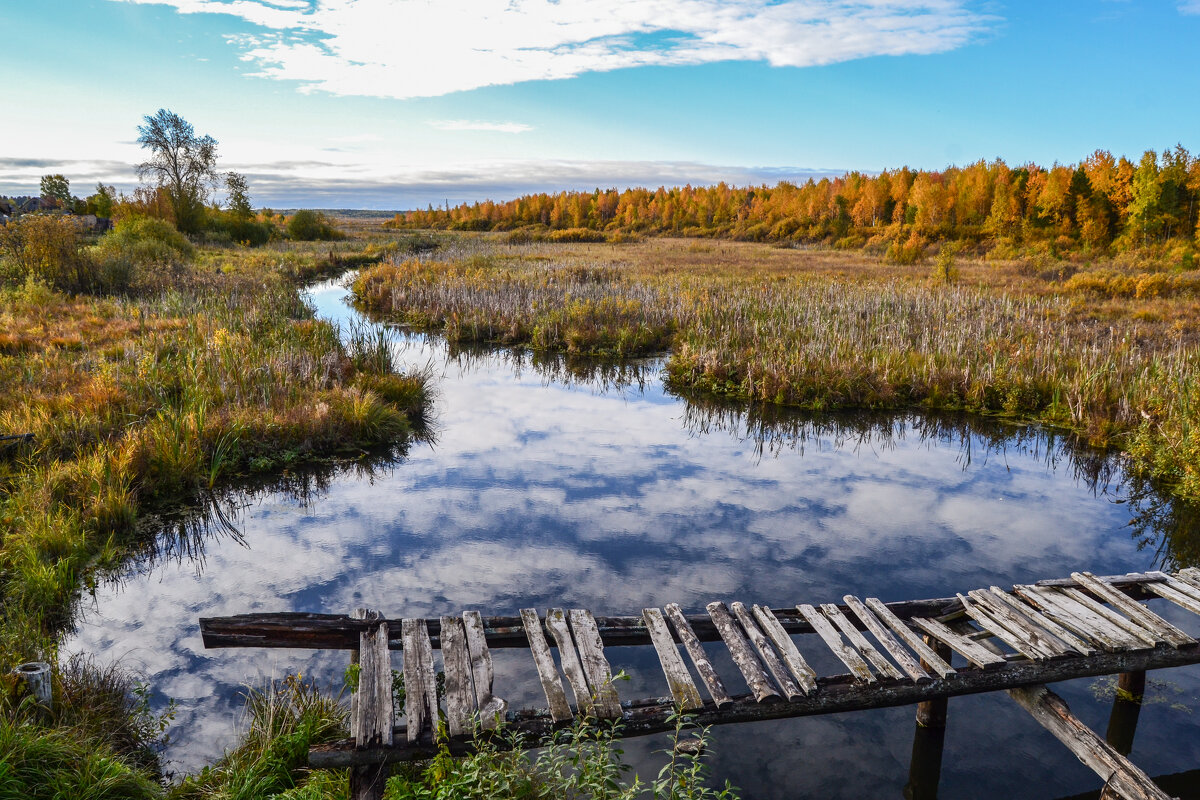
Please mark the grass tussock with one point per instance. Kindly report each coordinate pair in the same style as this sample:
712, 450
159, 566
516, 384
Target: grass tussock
825, 330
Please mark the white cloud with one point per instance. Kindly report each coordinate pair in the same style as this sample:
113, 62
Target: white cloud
480, 125
417, 48
1189, 7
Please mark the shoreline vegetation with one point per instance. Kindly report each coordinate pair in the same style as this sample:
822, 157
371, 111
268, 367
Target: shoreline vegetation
149, 375
820, 330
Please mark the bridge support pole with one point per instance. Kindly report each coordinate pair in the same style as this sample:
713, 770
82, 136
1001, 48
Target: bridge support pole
932, 713
929, 740
1127, 705
1122, 778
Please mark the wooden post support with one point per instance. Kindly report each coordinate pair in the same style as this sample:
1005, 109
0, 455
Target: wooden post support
36, 675
925, 767
932, 713
1127, 705
1120, 776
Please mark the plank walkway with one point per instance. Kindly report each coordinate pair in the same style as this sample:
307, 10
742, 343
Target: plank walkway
1014, 640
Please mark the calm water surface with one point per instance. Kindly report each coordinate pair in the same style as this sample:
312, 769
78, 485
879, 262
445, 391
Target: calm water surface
546, 486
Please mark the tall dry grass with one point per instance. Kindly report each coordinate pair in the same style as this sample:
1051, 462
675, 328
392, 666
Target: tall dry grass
823, 332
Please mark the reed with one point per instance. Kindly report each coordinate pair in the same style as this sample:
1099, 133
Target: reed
822, 331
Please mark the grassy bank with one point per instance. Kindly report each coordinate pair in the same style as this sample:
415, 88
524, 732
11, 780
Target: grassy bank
824, 330
204, 371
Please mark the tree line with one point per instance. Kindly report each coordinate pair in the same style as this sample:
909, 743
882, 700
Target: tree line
1101, 204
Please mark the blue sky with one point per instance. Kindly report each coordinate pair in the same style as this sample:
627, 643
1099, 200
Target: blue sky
398, 103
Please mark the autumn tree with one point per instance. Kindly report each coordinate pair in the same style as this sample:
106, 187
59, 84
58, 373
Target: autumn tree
182, 163
57, 189
238, 200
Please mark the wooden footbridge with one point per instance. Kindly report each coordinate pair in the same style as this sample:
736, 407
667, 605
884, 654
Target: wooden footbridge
924, 651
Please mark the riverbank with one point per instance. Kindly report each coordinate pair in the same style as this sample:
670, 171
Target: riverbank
823, 330
203, 375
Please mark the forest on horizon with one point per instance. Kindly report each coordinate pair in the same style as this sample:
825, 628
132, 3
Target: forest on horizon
1099, 206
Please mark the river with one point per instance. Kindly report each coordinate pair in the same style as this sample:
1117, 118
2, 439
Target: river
554, 484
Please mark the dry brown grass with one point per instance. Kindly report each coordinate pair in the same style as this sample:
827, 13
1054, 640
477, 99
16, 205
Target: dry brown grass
821, 329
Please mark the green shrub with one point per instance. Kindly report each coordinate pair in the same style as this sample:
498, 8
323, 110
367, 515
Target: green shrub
308, 226
145, 240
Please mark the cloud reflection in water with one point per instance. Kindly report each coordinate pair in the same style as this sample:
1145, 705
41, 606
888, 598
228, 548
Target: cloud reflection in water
615, 496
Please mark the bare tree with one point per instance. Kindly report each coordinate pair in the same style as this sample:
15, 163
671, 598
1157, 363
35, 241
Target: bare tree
182, 163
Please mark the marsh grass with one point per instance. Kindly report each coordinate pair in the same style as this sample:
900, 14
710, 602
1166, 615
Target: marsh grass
201, 377
824, 330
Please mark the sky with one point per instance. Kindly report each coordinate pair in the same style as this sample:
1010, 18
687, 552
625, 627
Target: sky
396, 104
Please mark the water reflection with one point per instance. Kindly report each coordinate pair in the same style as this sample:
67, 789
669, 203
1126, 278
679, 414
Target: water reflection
567, 484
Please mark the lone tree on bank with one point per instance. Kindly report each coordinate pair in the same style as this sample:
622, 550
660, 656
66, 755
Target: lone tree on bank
181, 163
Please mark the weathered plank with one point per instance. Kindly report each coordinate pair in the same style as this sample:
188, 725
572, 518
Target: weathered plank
971, 651
372, 716
491, 708
1078, 618
1178, 593
860, 643
1053, 714
1124, 623
1081, 646
556, 698
933, 661
1156, 625
568, 659
1190, 576
336, 631
1032, 635
901, 656
679, 681
1001, 632
595, 665
766, 653
460, 692
833, 640
683, 629
747, 663
805, 675
1184, 587
420, 681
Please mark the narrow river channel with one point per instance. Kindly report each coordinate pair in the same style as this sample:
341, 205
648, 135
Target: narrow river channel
545, 486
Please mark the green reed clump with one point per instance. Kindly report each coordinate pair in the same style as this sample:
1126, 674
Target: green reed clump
284, 719
575, 309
